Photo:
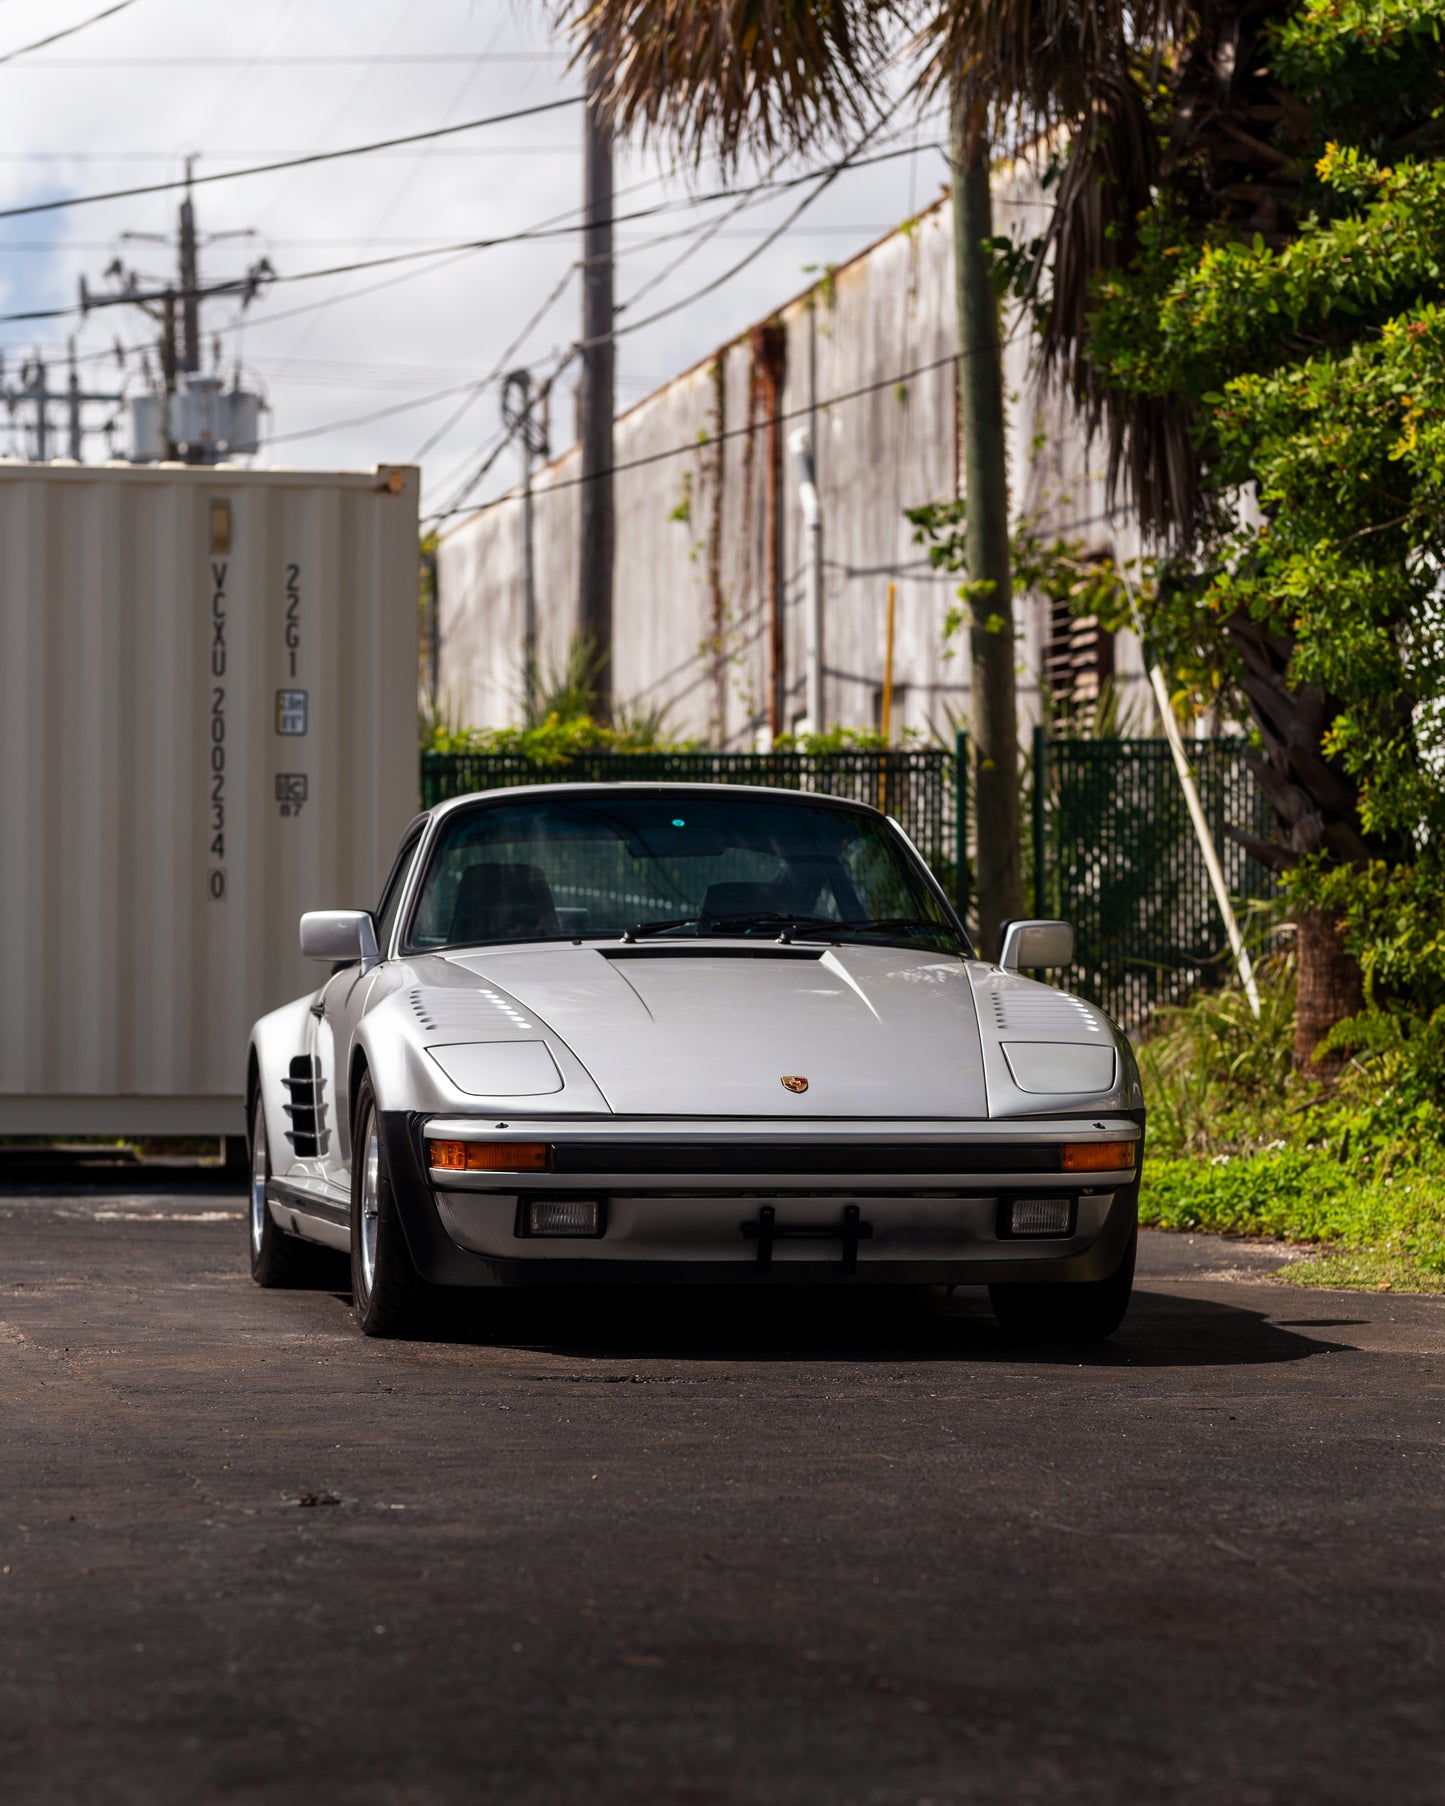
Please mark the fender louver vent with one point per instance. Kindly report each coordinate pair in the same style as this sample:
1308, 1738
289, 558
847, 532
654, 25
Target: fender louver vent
307, 1109
1043, 1012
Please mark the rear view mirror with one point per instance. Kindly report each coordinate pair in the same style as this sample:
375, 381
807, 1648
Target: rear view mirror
1036, 943
338, 934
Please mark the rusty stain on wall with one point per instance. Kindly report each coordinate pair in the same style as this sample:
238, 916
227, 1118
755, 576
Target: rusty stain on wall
710, 621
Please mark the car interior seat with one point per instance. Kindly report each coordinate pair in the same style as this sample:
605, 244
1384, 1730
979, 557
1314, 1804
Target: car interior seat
503, 902
738, 899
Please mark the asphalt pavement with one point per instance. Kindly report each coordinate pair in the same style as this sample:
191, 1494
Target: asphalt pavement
643, 1549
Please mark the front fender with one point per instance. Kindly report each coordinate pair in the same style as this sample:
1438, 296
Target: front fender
275, 1041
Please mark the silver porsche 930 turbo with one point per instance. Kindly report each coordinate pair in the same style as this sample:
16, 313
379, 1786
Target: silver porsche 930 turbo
689, 1034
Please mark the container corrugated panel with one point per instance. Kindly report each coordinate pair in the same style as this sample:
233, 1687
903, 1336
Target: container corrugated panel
207, 726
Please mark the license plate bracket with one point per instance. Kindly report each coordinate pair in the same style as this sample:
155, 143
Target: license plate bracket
767, 1230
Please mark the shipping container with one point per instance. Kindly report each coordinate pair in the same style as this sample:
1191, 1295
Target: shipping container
208, 683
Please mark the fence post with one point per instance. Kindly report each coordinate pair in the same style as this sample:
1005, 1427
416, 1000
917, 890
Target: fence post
1040, 779
961, 885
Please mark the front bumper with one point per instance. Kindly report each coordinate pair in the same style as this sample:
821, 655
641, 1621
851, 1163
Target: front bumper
896, 1204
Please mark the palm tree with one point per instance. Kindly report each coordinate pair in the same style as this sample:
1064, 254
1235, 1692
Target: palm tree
725, 76
728, 76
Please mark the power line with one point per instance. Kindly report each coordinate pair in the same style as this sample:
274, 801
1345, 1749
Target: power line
120, 6
502, 362
829, 177
736, 432
498, 447
445, 261
317, 61
265, 169
472, 388
555, 229
429, 246
357, 89
240, 156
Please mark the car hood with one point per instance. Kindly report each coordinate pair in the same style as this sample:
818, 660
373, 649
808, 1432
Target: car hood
672, 1031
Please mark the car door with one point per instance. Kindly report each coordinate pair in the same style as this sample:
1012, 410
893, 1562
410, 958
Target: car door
337, 1015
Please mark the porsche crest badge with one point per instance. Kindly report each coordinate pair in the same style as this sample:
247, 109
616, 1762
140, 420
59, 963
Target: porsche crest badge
794, 1081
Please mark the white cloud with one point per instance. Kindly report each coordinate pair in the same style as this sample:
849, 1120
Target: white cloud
83, 118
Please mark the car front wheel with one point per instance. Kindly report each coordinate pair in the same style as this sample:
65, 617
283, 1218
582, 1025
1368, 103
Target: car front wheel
387, 1291
1067, 1313
277, 1259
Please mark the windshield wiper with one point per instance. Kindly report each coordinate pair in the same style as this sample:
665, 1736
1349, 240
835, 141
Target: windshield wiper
873, 925
790, 925
640, 928
751, 918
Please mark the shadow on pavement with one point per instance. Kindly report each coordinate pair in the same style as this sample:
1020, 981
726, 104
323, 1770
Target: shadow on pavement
24, 1177
1161, 1330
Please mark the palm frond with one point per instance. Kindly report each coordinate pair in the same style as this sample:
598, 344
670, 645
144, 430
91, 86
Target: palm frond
721, 77
1038, 60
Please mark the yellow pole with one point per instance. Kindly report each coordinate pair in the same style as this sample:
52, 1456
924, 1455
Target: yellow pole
886, 722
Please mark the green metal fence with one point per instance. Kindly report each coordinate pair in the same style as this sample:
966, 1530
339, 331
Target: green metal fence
924, 788
1114, 849
1116, 854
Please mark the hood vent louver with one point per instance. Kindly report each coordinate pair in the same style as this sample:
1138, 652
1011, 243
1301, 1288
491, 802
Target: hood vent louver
476, 1012
710, 950
1039, 1011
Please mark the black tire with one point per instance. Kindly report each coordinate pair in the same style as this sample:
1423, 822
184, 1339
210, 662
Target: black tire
1067, 1313
388, 1294
277, 1259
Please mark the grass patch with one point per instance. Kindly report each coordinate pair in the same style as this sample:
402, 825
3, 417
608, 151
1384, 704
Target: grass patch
1380, 1231
1363, 1270
1240, 1143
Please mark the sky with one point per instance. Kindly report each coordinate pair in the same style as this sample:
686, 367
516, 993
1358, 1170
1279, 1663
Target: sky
126, 100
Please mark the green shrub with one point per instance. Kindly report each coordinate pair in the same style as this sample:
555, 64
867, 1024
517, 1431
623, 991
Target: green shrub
1303, 1195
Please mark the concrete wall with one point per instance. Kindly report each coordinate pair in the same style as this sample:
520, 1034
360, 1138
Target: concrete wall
692, 595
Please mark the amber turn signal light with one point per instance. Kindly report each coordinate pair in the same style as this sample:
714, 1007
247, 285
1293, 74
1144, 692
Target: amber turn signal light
488, 1156
1097, 1156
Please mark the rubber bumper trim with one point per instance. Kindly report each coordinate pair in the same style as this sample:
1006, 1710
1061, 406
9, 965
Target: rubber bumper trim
440, 1261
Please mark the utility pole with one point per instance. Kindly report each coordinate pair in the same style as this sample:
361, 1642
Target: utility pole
530, 432
38, 394
35, 389
72, 390
190, 348
993, 696
598, 397
176, 306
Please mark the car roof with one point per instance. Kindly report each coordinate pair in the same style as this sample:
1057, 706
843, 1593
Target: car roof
655, 787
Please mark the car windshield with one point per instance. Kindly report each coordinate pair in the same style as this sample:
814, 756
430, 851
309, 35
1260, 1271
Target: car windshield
682, 866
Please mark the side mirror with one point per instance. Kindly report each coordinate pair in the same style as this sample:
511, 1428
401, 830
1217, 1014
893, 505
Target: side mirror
339, 934
1036, 944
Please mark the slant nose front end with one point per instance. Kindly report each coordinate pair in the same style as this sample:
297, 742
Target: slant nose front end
707, 1203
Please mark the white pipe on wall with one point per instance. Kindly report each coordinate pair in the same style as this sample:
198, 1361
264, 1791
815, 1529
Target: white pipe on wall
801, 445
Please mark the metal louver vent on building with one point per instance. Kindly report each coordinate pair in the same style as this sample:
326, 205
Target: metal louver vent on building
1043, 1012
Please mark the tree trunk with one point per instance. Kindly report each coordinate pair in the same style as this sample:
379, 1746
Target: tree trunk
994, 706
598, 396
1329, 989
1318, 807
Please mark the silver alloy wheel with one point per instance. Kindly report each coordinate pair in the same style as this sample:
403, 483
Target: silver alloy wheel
370, 1204
258, 1179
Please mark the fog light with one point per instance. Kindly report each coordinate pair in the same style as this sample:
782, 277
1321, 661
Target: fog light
565, 1216
1040, 1216
1097, 1156
488, 1156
